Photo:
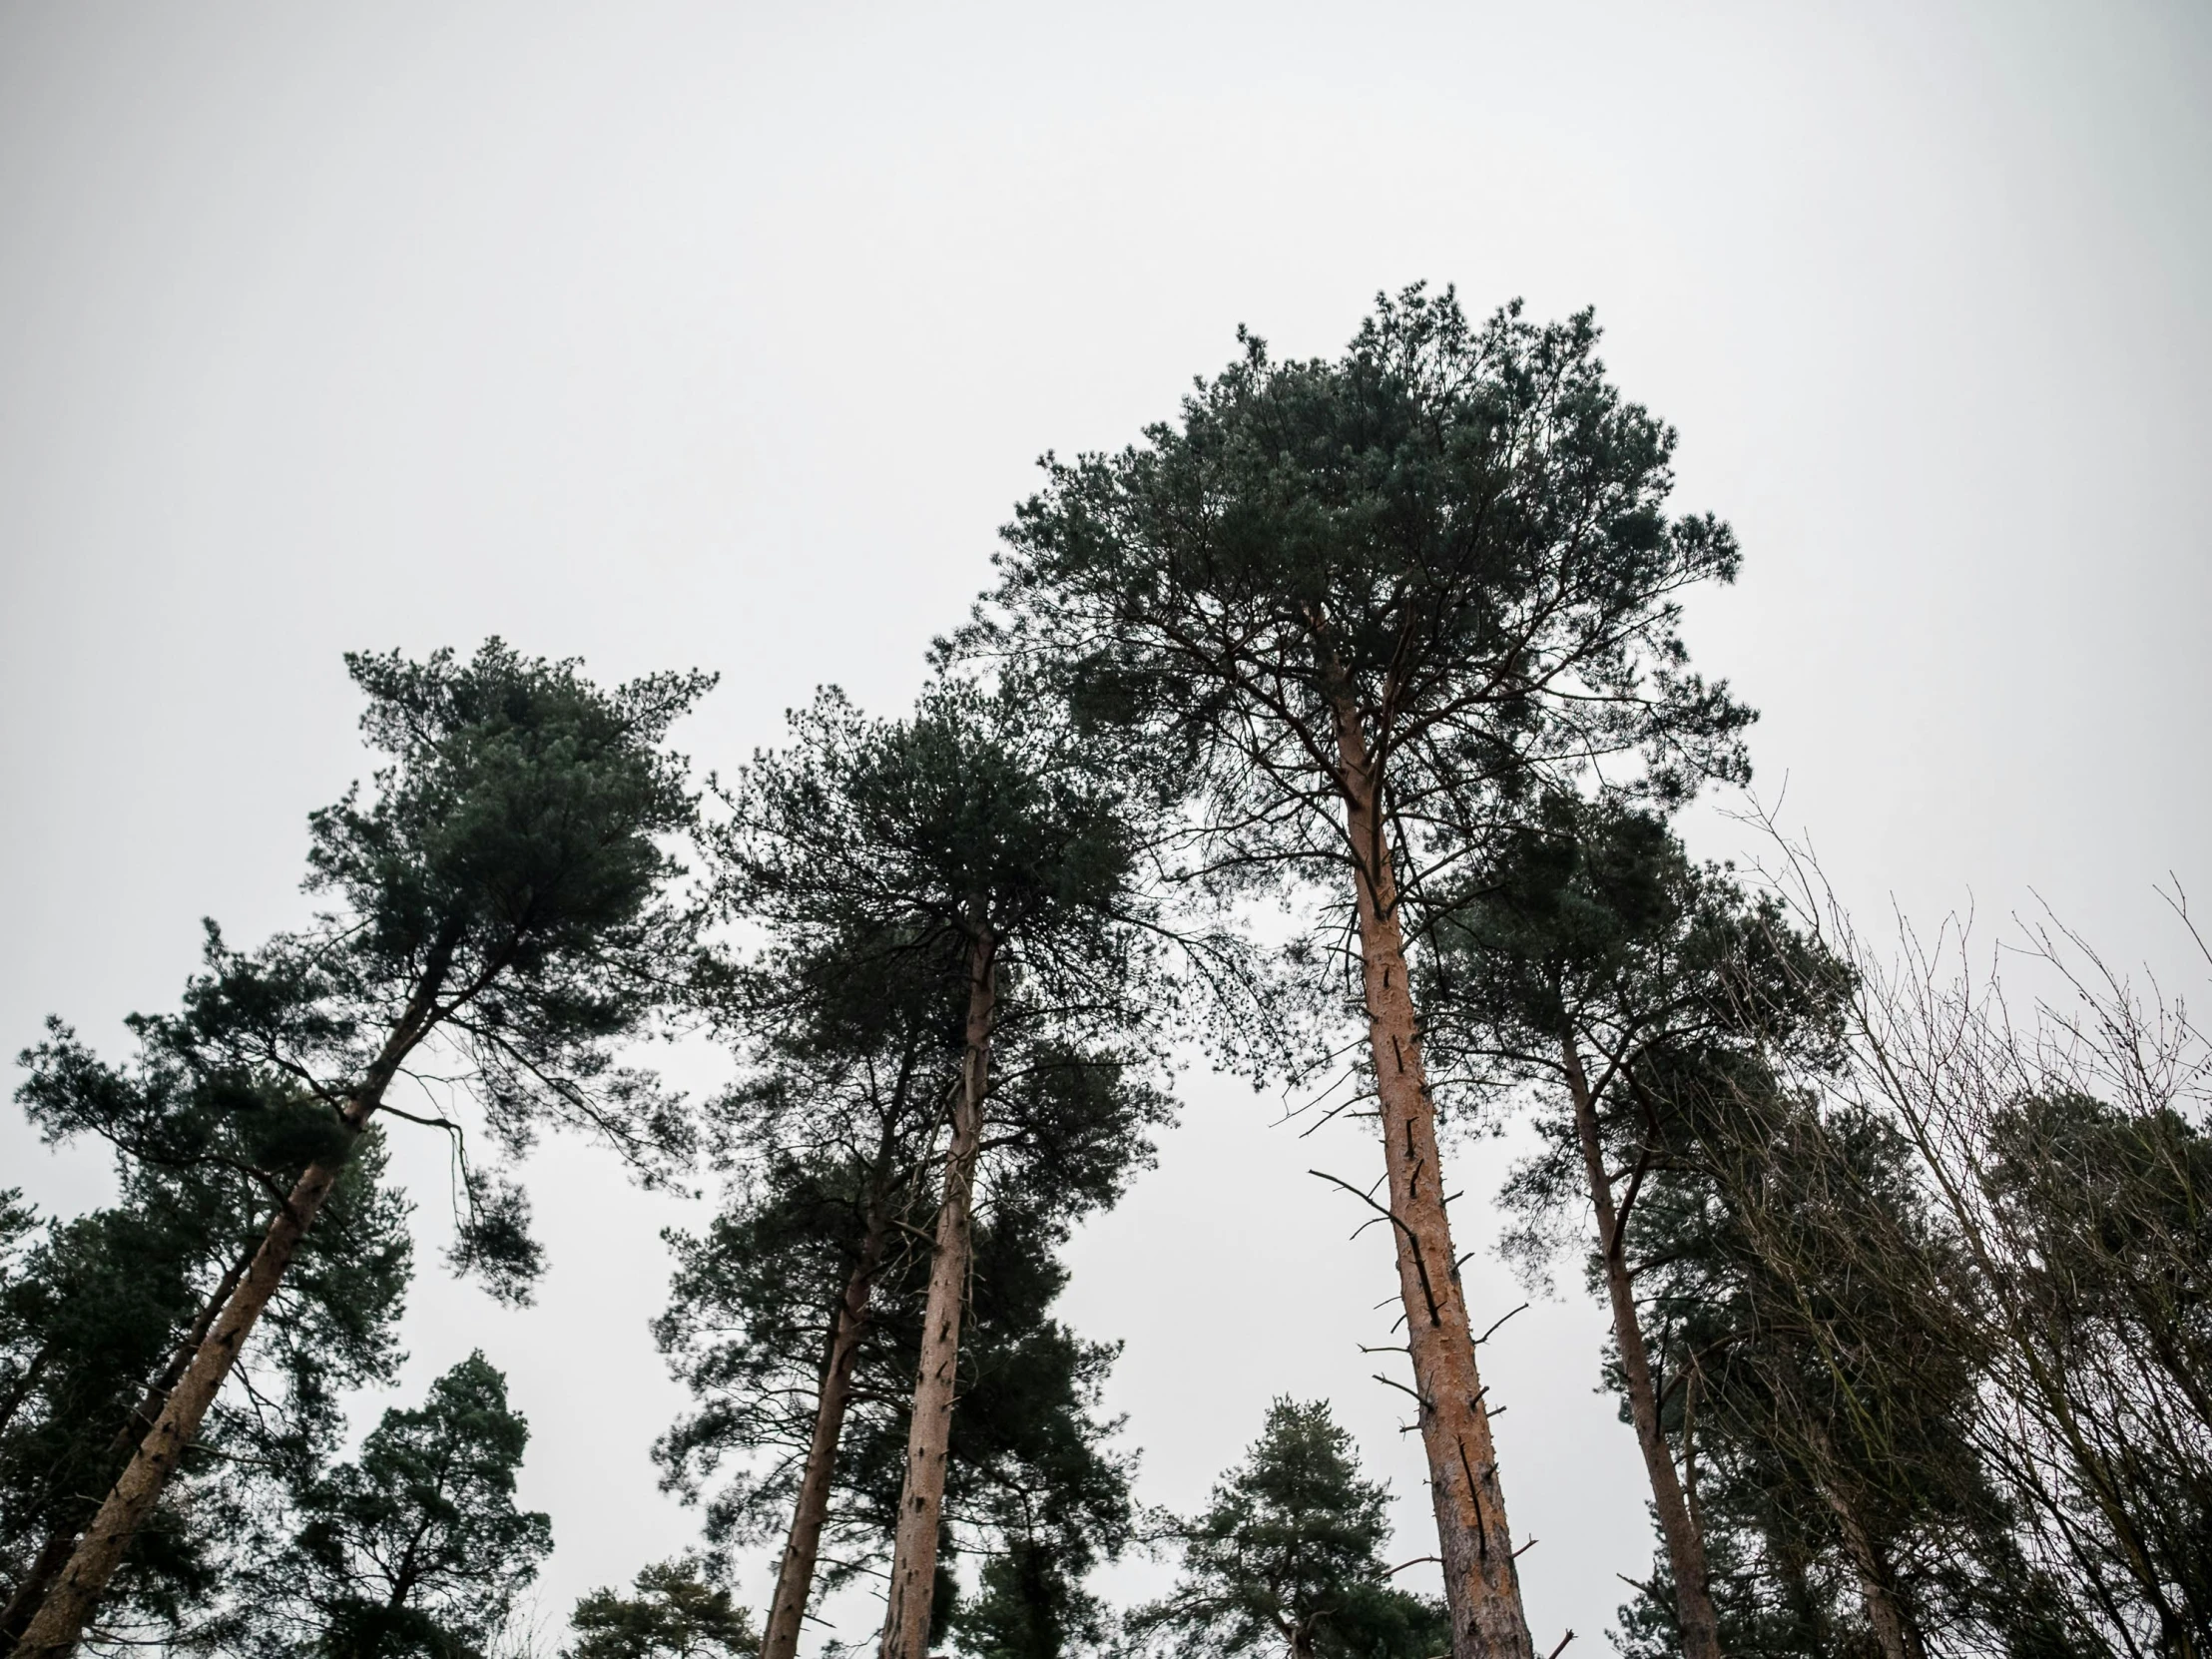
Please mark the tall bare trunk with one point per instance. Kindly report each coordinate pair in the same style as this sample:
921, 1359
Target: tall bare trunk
922, 1497
1693, 1596
1481, 1584
59, 1624
794, 1577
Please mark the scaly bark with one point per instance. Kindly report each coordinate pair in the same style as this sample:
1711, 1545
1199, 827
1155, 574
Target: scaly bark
59, 1624
1481, 1583
922, 1496
794, 1576
1693, 1596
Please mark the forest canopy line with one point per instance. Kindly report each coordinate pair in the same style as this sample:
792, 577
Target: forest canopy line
1909, 1284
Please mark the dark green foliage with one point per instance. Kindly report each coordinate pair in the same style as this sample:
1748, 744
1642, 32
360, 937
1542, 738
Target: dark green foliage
1587, 925
1452, 535
886, 861
1027, 1457
99, 1303
749, 1318
1029, 1603
501, 905
877, 851
1789, 1273
2108, 1284
513, 846
746, 1325
1586, 919
1028, 1461
1287, 1556
1829, 1416
417, 1548
680, 1611
499, 891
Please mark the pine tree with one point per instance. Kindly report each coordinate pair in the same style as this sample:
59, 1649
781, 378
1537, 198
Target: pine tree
982, 845
774, 1307
1807, 1407
1025, 1460
1590, 958
1356, 609
1286, 1557
680, 1611
1031, 1604
417, 1548
499, 895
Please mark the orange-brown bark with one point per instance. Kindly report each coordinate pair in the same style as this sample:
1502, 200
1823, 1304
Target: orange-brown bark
795, 1575
1694, 1613
922, 1497
1481, 1584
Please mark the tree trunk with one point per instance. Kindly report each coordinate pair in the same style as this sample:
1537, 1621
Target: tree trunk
922, 1497
794, 1577
54, 1554
1481, 1584
60, 1621
1891, 1628
1693, 1596
69, 1605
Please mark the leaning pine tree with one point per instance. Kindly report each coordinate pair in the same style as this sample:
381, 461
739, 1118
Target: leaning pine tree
1592, 958
500, 900
1363, 607
982, 841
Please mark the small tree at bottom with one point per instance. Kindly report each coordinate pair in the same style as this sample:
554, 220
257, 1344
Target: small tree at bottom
680, 1611
1288, 1558
418, 1551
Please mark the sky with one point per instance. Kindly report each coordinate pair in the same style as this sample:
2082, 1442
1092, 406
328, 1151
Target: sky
672, 335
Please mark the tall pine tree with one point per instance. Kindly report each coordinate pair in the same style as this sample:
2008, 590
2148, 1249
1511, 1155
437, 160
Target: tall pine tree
1361, 608
500, 899
981, 846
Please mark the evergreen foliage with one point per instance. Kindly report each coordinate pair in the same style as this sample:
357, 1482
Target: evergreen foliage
680, 1611
1912, 1305
1028, 1468
100, 1313
1361, 611
417, 1548
1287, 1559
878, 852
975, 871
1454, 534
500, 898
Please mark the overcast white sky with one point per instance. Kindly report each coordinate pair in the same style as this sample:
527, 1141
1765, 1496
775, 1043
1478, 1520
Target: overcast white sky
726, 335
